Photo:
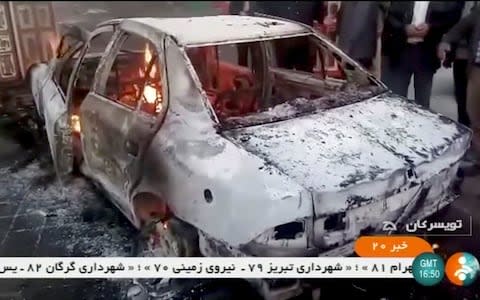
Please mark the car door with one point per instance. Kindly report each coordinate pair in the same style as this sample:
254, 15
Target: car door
119, 116
51, 73
71, 40
52, 99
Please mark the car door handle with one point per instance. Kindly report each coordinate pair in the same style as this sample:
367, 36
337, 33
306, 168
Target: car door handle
132, 148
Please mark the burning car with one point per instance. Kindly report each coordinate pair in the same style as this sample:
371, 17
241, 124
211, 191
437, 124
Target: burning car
216, 128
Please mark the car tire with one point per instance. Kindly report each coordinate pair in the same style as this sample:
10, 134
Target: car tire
176, 239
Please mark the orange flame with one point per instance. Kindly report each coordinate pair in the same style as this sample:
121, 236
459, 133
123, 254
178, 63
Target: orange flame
75, 121
150, 93
148, 59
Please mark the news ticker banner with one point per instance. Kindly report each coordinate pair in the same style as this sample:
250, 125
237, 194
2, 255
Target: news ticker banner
394, 255
427, 269
205, 267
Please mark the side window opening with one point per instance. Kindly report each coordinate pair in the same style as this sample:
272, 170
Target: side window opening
297, 74
67, 42
135, 77
63, 47
86, 72
231, 75
65, 65
151, 99
63, 75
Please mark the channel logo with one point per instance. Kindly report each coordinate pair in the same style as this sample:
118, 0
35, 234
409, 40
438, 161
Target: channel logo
462, 269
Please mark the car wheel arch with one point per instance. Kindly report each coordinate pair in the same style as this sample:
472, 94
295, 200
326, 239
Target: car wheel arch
148, 205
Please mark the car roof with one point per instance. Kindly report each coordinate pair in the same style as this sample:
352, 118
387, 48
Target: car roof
222, 28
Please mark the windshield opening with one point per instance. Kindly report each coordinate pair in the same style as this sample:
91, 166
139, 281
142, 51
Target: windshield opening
263, 81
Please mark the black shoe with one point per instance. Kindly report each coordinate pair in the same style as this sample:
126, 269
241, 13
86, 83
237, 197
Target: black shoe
470, 170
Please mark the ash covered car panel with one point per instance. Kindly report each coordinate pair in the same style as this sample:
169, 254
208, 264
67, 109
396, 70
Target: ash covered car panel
364, 163
221, 29
338, 148
271, 155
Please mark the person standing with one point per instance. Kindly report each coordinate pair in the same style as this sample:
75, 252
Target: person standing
469, 28
241, 8
238, 7
358, 30
330, 21
294, 53
459, 55
411, 34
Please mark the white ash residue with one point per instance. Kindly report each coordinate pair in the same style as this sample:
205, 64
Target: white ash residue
86, 224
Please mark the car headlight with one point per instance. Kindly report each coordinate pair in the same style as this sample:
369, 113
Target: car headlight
289, 231
289, 239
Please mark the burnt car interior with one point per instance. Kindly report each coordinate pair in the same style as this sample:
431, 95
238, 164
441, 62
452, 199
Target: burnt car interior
134, 77
240, 79
245, 78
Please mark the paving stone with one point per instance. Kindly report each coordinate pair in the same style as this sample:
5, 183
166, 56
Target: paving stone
29, 221
53, 242
11, 285
5, 223
8, 209
12, 296
20, 243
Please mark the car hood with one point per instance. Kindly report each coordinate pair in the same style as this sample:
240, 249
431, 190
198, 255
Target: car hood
335, 149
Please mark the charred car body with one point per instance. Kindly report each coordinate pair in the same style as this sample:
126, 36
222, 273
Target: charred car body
209, 124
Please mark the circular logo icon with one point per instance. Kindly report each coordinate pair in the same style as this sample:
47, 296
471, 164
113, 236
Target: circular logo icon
462, 269
428, 269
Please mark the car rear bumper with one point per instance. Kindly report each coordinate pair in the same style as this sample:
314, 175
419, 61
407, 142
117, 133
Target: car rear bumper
348, 248
399, 208
414, 200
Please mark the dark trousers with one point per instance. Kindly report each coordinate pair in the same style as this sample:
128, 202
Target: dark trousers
396, 74
243, 49
367, 63
460, 80
294, 53
291, 54
473, 105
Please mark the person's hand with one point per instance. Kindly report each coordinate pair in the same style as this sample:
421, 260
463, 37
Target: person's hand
447, 63
423, 29
442, 50
317, 26
330, 24
412, 31
331, 28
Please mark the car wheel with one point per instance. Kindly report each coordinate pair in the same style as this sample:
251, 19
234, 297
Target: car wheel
173, 238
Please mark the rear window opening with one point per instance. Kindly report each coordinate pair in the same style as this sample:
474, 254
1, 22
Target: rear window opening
255, 82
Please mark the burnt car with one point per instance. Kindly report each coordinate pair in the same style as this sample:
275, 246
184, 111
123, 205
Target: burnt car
216, 128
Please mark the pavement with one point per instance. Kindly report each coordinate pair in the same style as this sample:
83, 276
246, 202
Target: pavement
41, 217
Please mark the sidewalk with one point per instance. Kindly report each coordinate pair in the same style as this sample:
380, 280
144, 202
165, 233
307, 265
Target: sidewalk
40, 217
9, 149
